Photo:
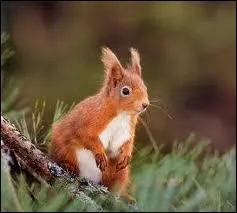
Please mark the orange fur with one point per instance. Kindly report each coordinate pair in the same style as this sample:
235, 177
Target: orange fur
81, 127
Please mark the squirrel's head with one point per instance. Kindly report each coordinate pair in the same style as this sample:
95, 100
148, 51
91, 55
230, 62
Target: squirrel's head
125, 85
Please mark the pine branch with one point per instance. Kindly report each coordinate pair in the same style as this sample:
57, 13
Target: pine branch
40, 164
27, 153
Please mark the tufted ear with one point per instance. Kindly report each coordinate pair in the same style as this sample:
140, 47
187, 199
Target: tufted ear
113, 68
135, 61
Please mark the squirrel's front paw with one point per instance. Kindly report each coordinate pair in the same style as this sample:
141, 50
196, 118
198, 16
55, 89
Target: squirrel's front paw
123, 163
101, 161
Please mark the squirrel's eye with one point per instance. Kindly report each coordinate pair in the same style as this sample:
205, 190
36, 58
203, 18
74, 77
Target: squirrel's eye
125, 91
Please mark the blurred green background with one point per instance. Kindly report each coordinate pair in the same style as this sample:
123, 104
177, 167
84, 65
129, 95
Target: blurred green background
188, 56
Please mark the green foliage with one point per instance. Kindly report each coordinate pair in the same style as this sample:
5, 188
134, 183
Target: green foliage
6, 51
9, 200
60, 109
10, 93
182, 181
10, 100
34, 127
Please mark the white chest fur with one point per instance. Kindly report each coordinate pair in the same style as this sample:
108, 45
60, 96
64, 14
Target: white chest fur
116, 133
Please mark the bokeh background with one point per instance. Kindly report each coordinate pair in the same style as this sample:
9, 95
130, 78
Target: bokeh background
188, 52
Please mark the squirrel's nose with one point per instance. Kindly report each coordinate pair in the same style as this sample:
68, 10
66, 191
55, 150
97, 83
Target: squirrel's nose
145, 105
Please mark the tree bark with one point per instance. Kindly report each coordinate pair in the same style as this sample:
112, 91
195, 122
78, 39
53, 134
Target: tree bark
29, 155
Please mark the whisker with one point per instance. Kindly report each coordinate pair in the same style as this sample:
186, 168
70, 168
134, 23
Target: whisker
163, 110
148, 116
157, 100
155, 146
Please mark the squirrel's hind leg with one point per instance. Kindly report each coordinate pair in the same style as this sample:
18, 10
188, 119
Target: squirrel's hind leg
118, 182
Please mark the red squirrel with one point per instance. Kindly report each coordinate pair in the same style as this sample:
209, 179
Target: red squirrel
95, 139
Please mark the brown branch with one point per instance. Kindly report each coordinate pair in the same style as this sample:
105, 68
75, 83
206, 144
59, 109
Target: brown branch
29, 155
